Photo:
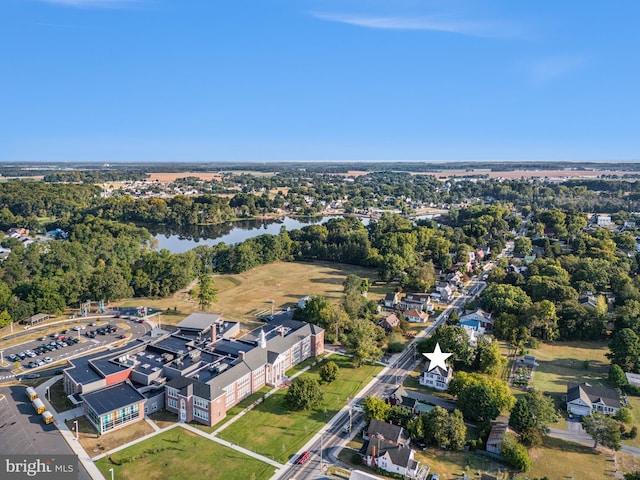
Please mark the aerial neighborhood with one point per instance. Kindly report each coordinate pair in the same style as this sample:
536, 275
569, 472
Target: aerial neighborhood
390, 324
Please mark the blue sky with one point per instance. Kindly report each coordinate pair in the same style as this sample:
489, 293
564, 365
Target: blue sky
262, 80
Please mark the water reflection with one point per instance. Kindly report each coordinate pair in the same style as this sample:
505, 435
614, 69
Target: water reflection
178, 241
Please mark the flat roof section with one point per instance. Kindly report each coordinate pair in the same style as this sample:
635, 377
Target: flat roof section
199, 321
113, 398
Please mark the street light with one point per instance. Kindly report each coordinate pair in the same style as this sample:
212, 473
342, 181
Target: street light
75, 426
48, 394
111, 470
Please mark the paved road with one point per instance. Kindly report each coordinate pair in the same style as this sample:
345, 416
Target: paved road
23, 431
579, 436
332, 438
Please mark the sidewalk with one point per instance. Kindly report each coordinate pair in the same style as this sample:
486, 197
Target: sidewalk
69, 437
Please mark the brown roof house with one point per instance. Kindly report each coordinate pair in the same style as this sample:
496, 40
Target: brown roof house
390, 322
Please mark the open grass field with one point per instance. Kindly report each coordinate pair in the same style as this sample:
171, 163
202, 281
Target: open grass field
180, 454
242, 296
274, 431
570, 362
559, 459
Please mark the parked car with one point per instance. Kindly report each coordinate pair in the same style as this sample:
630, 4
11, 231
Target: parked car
121, 337
32, 375
48, 359
79, 327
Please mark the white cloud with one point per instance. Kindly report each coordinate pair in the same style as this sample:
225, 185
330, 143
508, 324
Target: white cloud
431, 23
92, 3
547, 69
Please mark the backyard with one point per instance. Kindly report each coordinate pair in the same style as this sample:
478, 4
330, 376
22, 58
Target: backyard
178, 453
274, 431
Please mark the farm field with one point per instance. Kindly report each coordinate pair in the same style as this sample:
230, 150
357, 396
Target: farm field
274, 431
242, 296
178, 453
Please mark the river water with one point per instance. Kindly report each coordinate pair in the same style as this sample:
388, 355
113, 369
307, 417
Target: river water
229, 233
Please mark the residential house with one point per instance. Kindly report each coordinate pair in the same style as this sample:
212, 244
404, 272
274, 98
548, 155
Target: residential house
474, 331
588, 299
496, 436
482, 318
403, 398
416, 316
604, 220
445, 292
437, 378
582, 399
417, 301
390, 322
390, 432
391, 300
392, 458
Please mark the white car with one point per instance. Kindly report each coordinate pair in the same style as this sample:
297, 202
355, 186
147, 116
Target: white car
48, 359
79, 327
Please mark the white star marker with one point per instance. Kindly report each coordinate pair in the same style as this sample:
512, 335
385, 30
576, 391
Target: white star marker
437, 358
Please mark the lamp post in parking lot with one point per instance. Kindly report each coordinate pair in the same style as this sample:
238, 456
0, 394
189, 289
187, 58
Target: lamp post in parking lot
111, 470
75, 426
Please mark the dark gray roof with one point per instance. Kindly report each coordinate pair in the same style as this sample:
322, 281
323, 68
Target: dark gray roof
388, 431
439, 370
189, 386
81, 371
113, 398
198, 321
399, 455
590, 394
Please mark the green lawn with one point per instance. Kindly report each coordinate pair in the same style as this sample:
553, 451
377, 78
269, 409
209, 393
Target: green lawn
570, 362
235, 410
179, 454
274, 431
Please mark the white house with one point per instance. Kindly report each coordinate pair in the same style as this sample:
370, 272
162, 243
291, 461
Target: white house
417, 301
390, 300
582, 399
437, 378
603, 220
393, 458
416, 316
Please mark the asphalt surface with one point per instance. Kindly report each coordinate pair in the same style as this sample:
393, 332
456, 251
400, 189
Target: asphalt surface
22, 431
334, 437
134, 328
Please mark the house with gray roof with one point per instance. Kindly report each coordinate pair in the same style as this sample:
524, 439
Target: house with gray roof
438, 378
583, 398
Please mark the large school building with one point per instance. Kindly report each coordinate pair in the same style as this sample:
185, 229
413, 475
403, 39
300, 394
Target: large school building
198, 371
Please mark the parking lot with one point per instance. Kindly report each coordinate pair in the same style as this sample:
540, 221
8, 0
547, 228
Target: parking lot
23, 431
33, 356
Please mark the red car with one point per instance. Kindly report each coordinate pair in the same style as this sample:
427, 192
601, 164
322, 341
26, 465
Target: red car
304, 456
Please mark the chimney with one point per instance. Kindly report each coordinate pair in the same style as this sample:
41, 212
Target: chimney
214, 332
242, 355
